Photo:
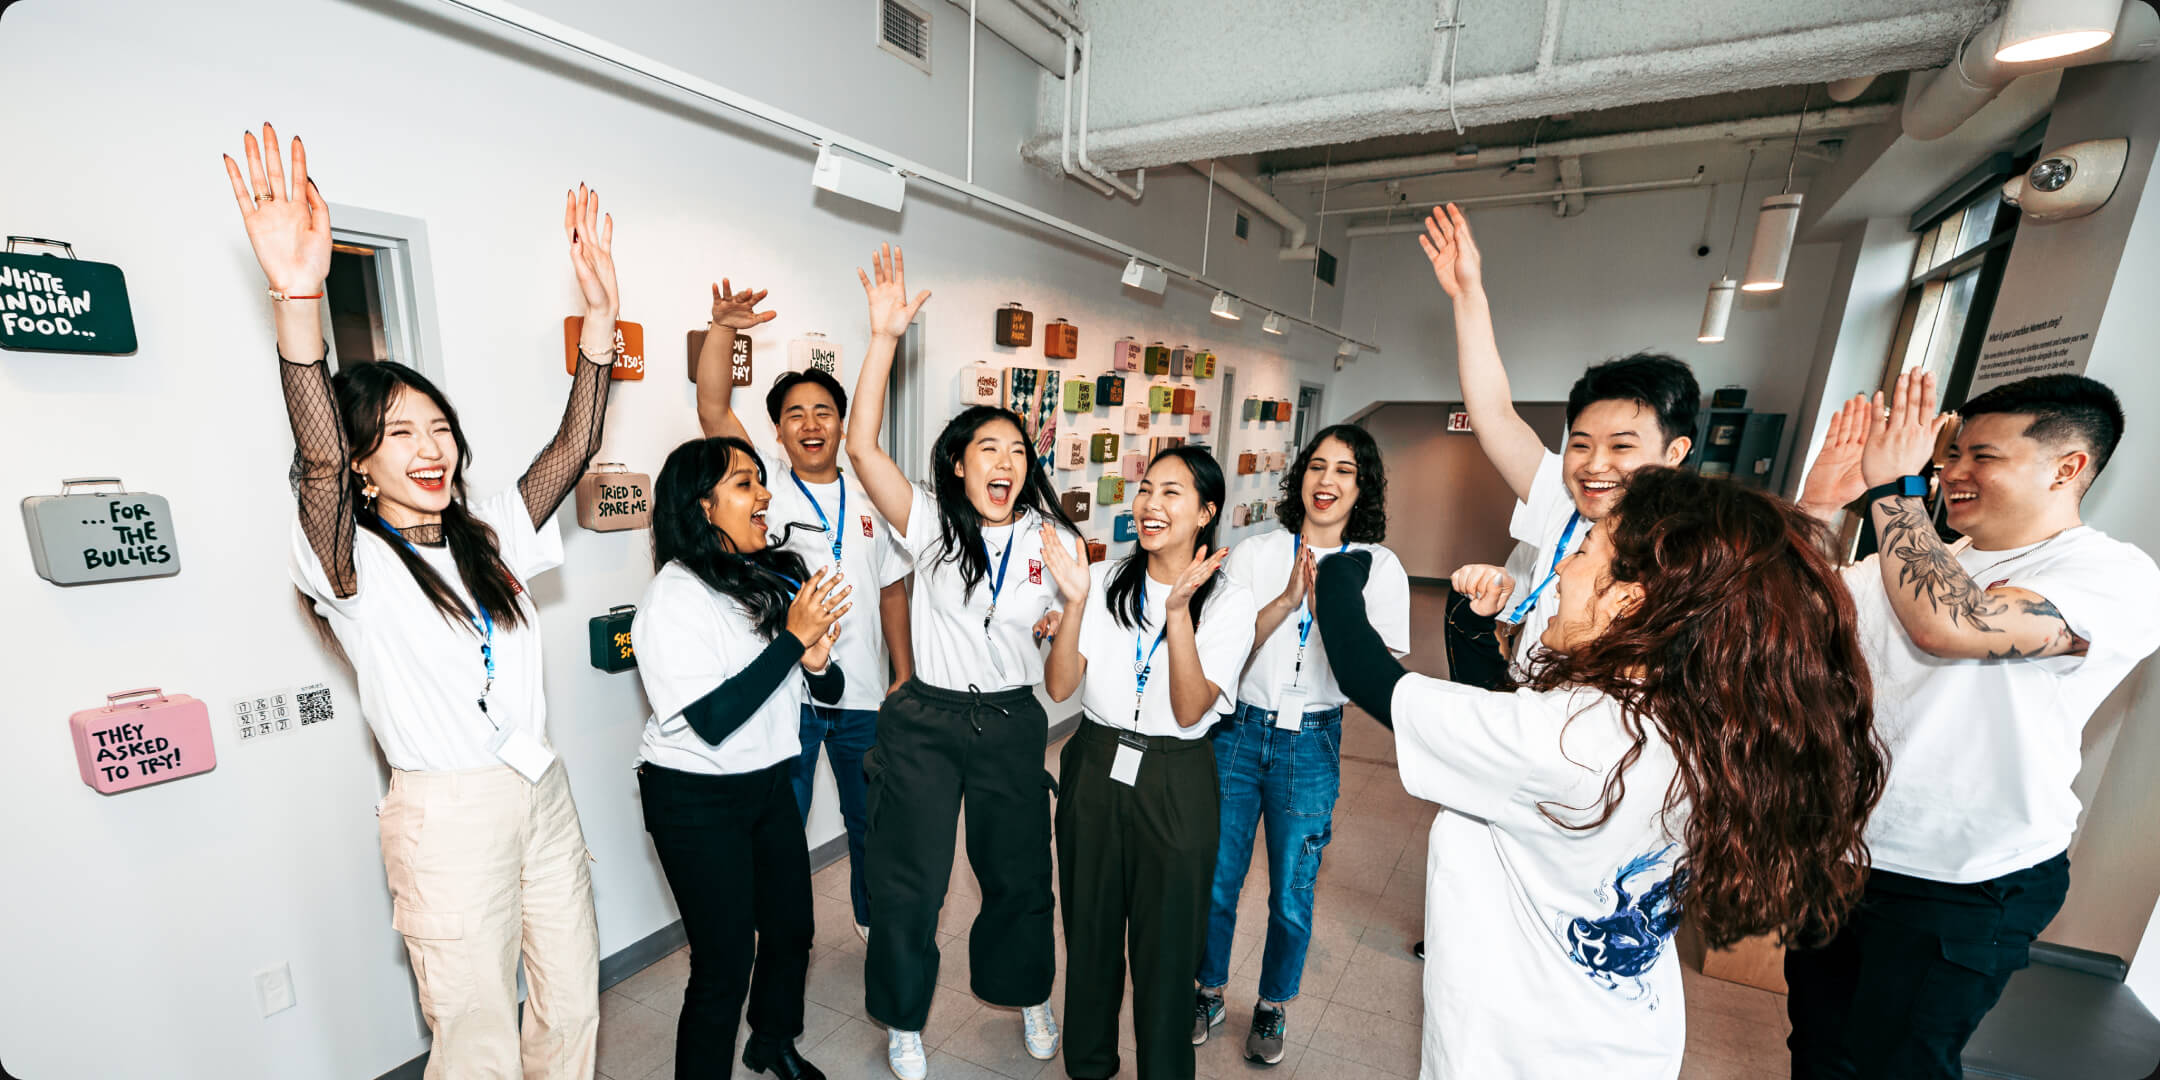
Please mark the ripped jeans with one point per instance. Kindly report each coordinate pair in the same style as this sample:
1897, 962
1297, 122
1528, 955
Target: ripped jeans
1289, 780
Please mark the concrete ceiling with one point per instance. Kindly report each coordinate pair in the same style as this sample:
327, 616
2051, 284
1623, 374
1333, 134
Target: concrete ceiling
1285, 79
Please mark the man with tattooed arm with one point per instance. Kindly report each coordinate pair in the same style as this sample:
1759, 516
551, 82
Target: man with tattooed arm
1988, 657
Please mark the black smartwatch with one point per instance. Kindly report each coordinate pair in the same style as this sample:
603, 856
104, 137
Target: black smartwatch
1912, 486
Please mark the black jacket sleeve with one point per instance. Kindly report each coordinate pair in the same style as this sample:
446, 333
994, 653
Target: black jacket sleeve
1363, 666
1474, 655
826, 685
727, 706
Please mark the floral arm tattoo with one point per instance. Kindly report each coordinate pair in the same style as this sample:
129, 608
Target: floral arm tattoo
1946, 612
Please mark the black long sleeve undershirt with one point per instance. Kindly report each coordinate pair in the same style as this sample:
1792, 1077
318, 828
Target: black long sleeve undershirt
1363, 666
728, 706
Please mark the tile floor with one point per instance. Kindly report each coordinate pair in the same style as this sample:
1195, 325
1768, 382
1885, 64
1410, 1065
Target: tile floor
1357, 1017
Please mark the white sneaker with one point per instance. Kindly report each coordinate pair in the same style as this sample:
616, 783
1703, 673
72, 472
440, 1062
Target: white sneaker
904, 1052
1041, 1034
862, 932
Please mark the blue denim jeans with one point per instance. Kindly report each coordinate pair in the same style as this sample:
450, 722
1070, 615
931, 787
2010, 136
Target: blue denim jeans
848, 735
1288, 779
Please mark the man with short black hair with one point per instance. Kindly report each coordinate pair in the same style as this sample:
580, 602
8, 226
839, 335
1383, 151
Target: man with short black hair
1622, 414
1987, 660
834, 525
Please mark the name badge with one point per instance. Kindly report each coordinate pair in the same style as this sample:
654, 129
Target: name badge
1125, 767
1290, 706
519, 749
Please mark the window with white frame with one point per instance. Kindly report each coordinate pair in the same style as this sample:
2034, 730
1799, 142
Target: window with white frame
379, 301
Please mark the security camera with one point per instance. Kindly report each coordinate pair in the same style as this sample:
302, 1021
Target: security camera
1702, 251
2070, 181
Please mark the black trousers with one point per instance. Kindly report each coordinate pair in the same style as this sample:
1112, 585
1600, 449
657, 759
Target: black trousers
1136, 864
1913, 970
732, 848
936, 751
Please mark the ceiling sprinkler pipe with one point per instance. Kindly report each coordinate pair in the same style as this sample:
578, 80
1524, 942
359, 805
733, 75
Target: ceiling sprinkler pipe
1071, 47
1087, 88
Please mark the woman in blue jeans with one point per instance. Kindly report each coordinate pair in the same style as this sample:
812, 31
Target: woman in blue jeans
1278, 757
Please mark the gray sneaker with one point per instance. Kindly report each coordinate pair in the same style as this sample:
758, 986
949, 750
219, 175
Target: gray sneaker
1207, 1012
1264, 1045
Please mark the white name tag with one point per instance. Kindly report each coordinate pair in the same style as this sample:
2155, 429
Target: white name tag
1125, 767
1290, 706
519, 749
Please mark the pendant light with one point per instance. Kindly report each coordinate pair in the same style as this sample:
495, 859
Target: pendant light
2045, 29
1776, 224
1717, 310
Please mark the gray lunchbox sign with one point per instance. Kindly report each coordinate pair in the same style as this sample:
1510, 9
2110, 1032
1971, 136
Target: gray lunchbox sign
83, 539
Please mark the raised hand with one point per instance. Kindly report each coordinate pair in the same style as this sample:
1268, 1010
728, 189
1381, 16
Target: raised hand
1835, 478
890, 309
1068, 569
814, 615
1902, 439
1452, 251
288, 224
592, 256
1194, 576
1487, 586
1299, 587
736, 310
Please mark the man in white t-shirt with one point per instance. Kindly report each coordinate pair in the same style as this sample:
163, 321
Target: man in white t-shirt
1622, 414
1987, 658
833, 524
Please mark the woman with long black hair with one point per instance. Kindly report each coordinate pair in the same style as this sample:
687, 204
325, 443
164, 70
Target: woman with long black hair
967, 725
1279, 759
1668, 755
425, 591
1153, 642
734, 637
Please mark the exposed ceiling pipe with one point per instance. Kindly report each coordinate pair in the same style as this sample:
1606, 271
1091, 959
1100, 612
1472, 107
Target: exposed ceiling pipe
1951, 95
1072, 47
1087, 85
1568, 198
1253, 195
1021, 30
1511, 197
1724, 130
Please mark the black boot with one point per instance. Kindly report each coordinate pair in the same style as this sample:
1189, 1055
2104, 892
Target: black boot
778, 1058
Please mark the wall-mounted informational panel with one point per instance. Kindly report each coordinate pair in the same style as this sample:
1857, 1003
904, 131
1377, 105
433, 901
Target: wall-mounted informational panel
53, 304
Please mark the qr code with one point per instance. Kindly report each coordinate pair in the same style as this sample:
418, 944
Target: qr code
315, 706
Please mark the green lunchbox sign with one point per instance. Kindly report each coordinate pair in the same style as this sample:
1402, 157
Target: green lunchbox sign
54, 304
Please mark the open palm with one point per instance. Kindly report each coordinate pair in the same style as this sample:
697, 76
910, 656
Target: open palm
288, 224
592, 253
1194, 576
1834, 480
890, 309
738, 310
1068, 569
1452, 251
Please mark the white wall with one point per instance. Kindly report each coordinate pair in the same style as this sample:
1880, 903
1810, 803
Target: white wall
1567, 293
135, 922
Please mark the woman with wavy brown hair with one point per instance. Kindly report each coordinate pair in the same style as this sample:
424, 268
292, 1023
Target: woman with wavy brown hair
1695, 738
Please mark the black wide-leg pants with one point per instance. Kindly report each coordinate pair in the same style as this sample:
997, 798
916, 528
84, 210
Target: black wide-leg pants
1136, 864
936, 751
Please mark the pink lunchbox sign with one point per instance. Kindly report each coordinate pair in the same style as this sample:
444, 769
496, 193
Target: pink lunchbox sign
123, 745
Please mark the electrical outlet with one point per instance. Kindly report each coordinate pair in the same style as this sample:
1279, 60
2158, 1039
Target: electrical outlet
274, 990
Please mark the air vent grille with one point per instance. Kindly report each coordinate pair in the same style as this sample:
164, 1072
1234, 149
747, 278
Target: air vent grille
904, 31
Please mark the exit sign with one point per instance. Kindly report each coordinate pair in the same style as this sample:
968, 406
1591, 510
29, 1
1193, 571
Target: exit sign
1458, 420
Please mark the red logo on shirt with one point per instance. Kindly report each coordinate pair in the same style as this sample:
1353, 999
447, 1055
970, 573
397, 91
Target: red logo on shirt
866, 524
1034, 571
1997, 585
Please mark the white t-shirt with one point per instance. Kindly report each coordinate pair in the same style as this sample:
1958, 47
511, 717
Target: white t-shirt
1263, 565
690, 639
420, 672
869, 556
1541, 521
1222, 636
1983, 752
953, 650
1548, 952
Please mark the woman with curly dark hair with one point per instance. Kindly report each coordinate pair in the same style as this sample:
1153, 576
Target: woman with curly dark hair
1696, 736
1277, 757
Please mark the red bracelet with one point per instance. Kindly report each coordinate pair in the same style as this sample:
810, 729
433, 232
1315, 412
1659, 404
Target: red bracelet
281, 297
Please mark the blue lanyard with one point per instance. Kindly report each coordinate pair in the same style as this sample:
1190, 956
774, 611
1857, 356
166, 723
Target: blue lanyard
831, 533
1142, 668
1559, 553
484, 626
1305, 616
997, 585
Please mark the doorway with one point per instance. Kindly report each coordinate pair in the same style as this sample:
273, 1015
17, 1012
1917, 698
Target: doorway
1447, 505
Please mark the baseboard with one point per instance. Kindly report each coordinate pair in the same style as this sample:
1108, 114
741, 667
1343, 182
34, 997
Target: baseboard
1061, 728
2105, 965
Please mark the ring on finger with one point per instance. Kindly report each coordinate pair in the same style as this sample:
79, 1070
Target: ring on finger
263, 197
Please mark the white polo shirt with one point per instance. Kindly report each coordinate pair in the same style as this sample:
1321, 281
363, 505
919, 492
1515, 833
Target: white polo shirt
420, 672
869, 556
1983, 752
1263, 565
953, 648
690, 639
1223, 634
